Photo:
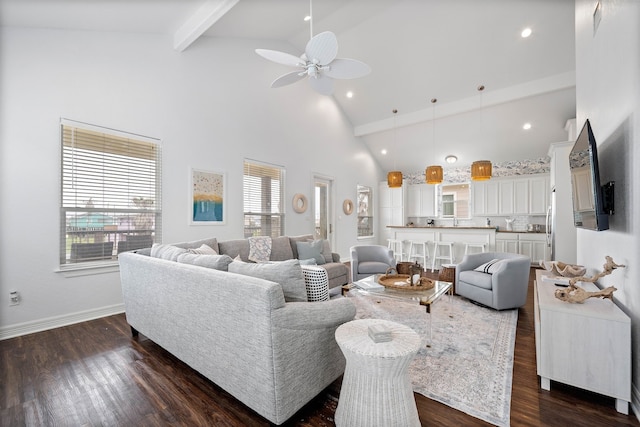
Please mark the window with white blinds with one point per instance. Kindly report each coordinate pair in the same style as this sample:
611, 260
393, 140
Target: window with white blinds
110, 199
263, 191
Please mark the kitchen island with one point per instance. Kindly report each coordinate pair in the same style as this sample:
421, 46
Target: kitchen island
459, 236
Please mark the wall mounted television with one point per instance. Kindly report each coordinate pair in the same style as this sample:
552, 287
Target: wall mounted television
592, 203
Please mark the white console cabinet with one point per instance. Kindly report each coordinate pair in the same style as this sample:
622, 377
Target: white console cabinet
584, 345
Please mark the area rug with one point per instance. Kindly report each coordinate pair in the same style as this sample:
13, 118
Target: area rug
469, 363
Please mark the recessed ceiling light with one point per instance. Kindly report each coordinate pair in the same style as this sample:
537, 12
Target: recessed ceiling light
526, 126
383, 151
349, 94
451, 158
307, 18
526, 33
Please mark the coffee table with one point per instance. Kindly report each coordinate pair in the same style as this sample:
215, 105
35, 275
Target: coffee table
422, 297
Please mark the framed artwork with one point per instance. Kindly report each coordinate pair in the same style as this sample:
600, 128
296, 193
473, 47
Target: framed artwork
207, 197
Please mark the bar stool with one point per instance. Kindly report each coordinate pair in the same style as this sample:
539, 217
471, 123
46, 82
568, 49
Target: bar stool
397, 246
481, 246
415, 251
448, 256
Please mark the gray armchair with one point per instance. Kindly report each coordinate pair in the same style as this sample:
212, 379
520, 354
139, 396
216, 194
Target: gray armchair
370, 259
503, 288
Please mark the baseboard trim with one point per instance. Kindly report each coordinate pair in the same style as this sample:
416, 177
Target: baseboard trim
45, 324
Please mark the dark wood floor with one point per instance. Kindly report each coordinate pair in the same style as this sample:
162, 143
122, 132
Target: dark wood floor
95, 374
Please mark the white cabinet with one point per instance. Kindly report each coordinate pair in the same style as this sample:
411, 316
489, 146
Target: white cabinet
528, 195
533, 245
421, 200
538, 195
584, 345
391, 210
485, 197
507, 242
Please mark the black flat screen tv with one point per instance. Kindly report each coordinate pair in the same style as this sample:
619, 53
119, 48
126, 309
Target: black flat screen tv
589, 209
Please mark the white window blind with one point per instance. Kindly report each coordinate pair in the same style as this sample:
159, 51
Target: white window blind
110, 199
263, 190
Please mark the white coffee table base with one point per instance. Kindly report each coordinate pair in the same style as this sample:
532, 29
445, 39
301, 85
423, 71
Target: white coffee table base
376, 390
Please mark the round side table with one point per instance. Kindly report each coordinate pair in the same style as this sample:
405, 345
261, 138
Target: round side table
376, 390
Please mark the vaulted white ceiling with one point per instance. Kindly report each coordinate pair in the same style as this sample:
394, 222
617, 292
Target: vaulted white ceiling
417, 49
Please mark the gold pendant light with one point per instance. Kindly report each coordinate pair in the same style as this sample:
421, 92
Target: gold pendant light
433, 174
394, 178
481, 169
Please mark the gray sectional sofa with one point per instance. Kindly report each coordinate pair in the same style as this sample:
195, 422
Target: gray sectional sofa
237, 330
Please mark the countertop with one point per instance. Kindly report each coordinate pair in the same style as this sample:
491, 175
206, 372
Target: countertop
462, 227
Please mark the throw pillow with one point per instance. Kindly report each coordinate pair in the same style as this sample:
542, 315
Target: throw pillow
326, 251
259, 248
489, 267
217, 262
202, 250
287, 273
168, 252
312, 249
316, 281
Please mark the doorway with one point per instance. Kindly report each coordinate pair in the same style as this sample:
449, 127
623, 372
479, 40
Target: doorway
323, 208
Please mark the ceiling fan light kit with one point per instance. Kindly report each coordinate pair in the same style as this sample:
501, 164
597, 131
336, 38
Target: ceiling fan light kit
318, 62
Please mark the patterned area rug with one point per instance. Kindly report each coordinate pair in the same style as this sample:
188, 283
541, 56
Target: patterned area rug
469, 364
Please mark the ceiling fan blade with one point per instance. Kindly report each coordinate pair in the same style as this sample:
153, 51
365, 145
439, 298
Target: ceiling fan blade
322, 48
345, 68
280, 57
322, 84
287, 79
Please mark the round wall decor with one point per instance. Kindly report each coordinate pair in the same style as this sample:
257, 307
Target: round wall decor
299, 203
347, 206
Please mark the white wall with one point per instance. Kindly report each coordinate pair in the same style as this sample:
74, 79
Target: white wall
211, 106
608, 93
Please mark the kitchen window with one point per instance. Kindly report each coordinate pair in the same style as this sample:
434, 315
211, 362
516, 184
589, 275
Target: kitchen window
454, 201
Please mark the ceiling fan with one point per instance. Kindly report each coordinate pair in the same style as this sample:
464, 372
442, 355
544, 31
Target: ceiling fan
318, 62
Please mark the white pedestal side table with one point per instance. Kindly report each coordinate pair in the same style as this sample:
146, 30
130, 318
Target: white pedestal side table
376, 390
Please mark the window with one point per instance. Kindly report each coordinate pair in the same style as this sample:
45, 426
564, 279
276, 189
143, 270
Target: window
454, 201
110, 199
365, 211
263, 190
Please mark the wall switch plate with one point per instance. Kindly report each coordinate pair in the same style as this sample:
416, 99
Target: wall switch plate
15, 298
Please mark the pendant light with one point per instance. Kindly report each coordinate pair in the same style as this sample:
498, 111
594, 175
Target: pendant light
433, 174
394, 178
481, 169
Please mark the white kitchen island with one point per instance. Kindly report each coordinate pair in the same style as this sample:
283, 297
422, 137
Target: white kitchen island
459, 236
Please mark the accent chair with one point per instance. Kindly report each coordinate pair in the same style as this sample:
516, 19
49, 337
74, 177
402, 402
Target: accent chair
367, 260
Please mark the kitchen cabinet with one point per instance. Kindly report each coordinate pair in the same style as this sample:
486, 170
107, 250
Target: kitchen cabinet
528, 195
392, 209
584, 345
533, 245
421, 200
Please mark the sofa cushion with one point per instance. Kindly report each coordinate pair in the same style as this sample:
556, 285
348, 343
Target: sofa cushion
326, 251
311, 249
476, 278
490, 267
168, 252
372, 267
287, 273
233, 248
217, 262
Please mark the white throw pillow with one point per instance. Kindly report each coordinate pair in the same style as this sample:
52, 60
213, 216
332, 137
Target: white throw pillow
202, 250
287, 273
168, 252
490, 267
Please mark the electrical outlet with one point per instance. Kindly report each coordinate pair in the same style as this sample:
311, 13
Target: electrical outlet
15, 298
